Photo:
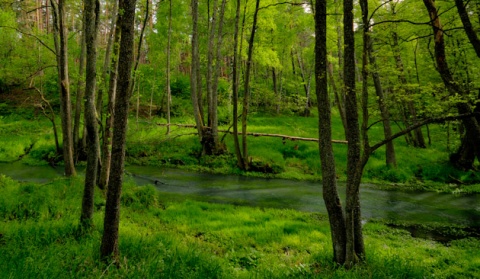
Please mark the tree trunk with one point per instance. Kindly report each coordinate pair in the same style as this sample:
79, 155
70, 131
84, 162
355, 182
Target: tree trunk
330, 194
390, 157
60, 37
93, 144
352, 208
79, 95
338, 95
418, 139
109, 246
471, 124
195, 84
112, 87
235, 77
169, 94
246, 98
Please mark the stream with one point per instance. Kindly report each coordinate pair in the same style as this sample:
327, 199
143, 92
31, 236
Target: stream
412, 207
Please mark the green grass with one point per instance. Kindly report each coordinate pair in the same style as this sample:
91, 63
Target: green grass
147, 144
167, 237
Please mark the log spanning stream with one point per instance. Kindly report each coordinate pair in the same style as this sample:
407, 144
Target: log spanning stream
412, 207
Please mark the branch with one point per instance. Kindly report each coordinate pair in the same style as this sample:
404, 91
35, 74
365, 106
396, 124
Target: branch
420, 124
31, 35
293, 138
280, 3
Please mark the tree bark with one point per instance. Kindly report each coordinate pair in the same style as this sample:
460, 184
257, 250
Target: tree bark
352, 209
246, 97
390, 156
112, 87
330, 194
235, 87
109, 246
169, 94
79, 95
93, 144
60, 37
471, 124
195, 84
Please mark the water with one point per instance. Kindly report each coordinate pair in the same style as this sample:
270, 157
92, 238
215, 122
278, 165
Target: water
416, 207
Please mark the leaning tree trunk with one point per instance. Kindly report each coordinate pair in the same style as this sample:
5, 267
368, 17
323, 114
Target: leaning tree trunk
330, 194
109, 246
471, 124
93, 144
60, 36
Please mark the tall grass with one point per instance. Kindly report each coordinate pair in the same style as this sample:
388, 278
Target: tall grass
162, 238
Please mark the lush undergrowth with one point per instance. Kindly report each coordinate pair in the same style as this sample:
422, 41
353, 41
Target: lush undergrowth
164, 237
418, 168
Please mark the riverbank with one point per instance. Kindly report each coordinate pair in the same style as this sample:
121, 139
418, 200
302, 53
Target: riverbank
165, 236
32, 141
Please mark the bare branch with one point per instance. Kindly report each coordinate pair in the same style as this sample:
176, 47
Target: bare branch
31, 35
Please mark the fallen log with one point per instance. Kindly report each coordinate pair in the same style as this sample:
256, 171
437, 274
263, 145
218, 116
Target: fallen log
284, 137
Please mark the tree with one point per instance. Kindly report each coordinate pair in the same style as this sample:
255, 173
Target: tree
470, 148
109, 246
93, 142
60, 37
330, 193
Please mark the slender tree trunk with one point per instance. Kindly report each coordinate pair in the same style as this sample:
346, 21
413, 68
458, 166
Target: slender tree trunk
112, 86
194, 79
235, 77
65, 102
390, 156
418, 138
246, 98
79, 94
109, 246
169, 96
93, 143
330, 194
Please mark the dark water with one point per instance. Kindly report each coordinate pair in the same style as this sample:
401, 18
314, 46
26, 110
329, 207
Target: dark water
396, 206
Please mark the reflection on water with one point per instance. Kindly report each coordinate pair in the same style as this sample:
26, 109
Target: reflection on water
300, 195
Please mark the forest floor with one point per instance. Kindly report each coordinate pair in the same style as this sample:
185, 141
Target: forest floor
166, 236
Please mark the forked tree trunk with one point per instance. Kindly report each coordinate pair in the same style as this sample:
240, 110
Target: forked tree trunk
109, 246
